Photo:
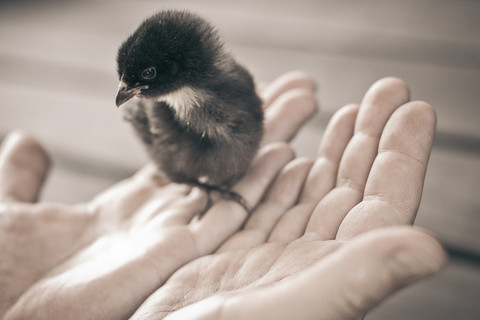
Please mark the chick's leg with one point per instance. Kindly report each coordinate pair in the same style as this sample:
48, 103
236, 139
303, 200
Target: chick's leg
224, 193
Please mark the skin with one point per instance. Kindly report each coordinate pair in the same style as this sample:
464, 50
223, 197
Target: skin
328, 240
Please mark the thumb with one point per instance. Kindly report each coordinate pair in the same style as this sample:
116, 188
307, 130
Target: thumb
24, 166
374, 265
352, 280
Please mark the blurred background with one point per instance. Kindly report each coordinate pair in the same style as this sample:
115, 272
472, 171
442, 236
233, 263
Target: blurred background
58, 81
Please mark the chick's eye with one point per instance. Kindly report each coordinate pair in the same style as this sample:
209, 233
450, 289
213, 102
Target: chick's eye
149, 73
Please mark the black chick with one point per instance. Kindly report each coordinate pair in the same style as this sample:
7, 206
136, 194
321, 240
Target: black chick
198, 113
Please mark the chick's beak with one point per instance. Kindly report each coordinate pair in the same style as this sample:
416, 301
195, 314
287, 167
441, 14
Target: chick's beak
125, 93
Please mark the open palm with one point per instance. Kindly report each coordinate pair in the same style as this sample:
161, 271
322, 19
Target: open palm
321, 244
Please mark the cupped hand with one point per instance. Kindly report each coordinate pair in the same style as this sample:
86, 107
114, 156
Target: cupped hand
331, 238
102, 259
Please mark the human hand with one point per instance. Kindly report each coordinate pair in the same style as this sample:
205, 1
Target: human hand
330, 239
102, 259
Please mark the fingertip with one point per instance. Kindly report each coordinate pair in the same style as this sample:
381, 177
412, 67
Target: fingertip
345, 117
406, 253
348, 110
379, 103
279, 150
297, 79
19, 143
300, 100
423, 111
302, 79
24, 165
294, 173
288, 113
392, 84
290, 80
303, 100
411, 130
198, 194
289, 183
425, 250
390, 90
338, 132
300, 164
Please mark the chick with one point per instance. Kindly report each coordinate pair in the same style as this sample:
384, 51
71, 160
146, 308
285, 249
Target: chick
198, 113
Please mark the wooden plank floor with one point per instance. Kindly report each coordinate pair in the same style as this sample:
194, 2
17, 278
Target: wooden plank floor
58, 81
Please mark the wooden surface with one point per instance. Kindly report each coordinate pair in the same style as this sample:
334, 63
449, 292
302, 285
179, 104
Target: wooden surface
58, 81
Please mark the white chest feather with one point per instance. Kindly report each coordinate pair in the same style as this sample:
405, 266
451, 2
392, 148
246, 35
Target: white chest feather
184, 100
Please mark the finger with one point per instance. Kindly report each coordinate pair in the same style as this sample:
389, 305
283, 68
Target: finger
142, 196
380, 101
287, 81
395, 183
182, 211
24, 166
151, 175
321, 178
283, 194
344, 285
127, 196
147, 204
338, 133
225, 217
287, 114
